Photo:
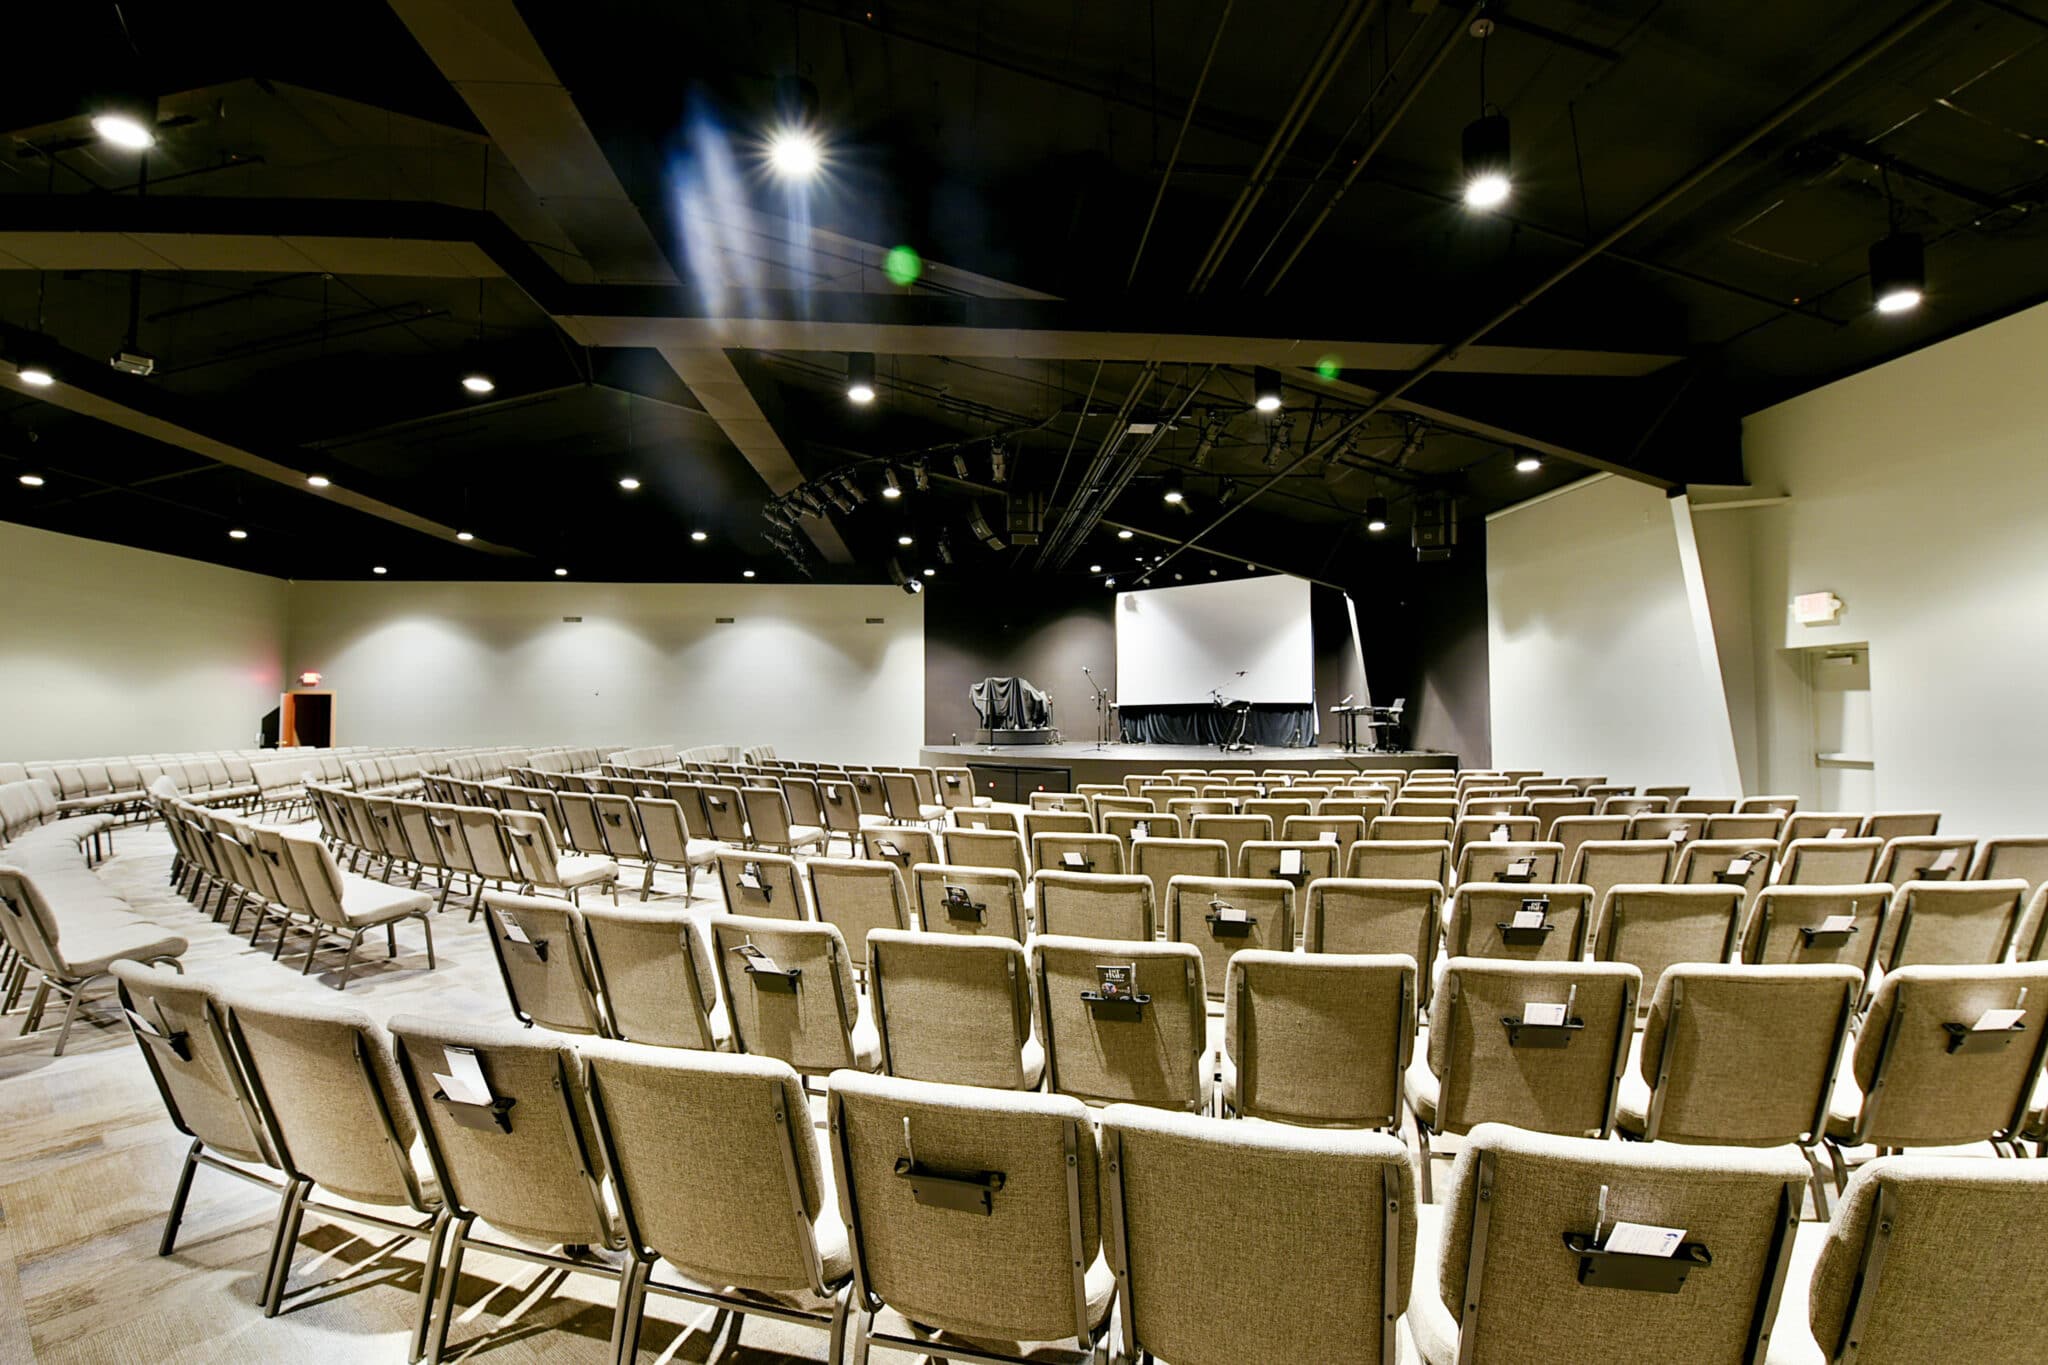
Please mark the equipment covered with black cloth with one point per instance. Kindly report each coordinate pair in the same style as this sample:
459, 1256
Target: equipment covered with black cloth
1010, 704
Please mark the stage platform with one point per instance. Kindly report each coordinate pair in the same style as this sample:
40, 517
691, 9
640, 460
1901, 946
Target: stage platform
1013, 773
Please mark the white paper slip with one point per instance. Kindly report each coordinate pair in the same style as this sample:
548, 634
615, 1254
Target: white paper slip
464, 1083
1141, 830
1739, 867
1229, 914
1328, 836
512, 930
1680, 833
1997, 1021
1838, 832
1499, 835
1290, 862
1945, 863
1072, 859
1643, 1239
977, 824
1837, 924
1542, 1014
1527, 919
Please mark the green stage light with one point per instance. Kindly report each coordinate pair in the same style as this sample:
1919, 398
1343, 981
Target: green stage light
903, 265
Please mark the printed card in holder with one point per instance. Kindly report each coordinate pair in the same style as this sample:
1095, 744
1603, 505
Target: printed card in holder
510, 924
1328, 836
1680, 833
960, 904
1141, 829
464, 1081
750, 876
1290, 862
1534, 914
764, 971
1837, 924
1535, 1012
1997, 1021
1116, 996
1642, 1239
1073, 862
1499, 835
1520, 870
1942, 865
1838, 832
888, 849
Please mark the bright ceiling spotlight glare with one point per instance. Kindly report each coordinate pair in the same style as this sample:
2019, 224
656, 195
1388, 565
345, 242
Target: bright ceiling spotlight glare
1094, 568
238, 534
1125, 534
1375, 516
31, 481
1528, 464
379, 570
1898, 272
906, 540
795, 153
479, 383
126, 120
860, 377
561, 573
1266, 393
318, 481
746, 573
892, 487
36, 377
1173, 495
700, 536
630, 484
1487, 162
931, 573
465, 536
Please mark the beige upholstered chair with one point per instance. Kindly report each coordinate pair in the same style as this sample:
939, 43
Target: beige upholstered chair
1820, 824
1540, 1045
70, 957
1727, 862
904, 845
1827, 862
544, 961
1303, 1286
1495, 920
1924, 859
1901, 824
324, 1078
1576, 831
974, 1218
1703, 805
1039, 822
1767, 805
1341, 830
765, 885
1108, 1046
1364, 915
988, 848
1930, 1070
1817, 924
1294, 861
670, 844
956, 789
969, 900
1077, 852
1400, 860
1548, 810
858, 896
1225, 915
1744, 826
1952, 923
757, 1234
543, 867
1233, 830
1655, 927
1410, 828
789, 992
1997, 859
506, 1124
954, 1008
1676, 830
1505, 829
1927, 1258
1164, 859
349, 905
653, 970
1320, 1040
1601, 864
1510, 862
1095, 905
980, 818
769, 825
907, 804
1506, 1281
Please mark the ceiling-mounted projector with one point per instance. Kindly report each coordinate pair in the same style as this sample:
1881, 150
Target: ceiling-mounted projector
141, 364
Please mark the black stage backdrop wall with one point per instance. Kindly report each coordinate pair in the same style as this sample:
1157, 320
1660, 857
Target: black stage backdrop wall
1424, 638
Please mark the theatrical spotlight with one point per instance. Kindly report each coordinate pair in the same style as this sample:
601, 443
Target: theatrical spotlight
125, 119
998, 462
851, 485
921, 477
1488, 165
961, 470
913, 586
892, 487
860, 376
945, 547
838, 497
1898, 272
978, 524
1212, 430
1375, 515
1266, 392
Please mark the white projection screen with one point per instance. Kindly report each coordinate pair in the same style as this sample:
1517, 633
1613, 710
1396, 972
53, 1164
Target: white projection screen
1175, 644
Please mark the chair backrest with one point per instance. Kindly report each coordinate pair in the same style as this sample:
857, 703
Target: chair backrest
1744, 826
579, 819
1285, 1261
1296, 861
324, 1077
1037, 822
1651, 927
980, 817
1233, 830
1500, 862
1548, 810
1703, 805
1924, 859
906, 802
1479, 829
1953, 923
724, 812
1373, 915
653, 968
988, 848
952, 899
1400, 860
507, 1127
765, 885
1105, 1045
1821, 824
180, 1024
544, 962
1075, 852
1500, 1057
1901, 824
1828, 862
1016, 1272
1131, 826
1745, 863
2026, 859
788, 989
1601, 864
1519, 1201
1341, 830
839, 805
858, 896
1543, 922
1164, 859
805, 802
1767, 805
1932, 1070
1675, 830
1095, 905
665, 828
1576, 831
904, 845
1322, 1039
1817, 924
618, 827
1933, 1258
952, 1008
1745, 1055
736, 1133
1409, 827
1226, 915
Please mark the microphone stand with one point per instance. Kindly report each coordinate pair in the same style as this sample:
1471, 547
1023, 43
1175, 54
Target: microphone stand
1103, 708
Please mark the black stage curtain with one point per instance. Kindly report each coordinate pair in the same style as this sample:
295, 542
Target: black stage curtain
1270, 723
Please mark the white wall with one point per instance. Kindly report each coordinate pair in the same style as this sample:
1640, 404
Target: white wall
494, 663
105, 650
1596, 658
1917, 494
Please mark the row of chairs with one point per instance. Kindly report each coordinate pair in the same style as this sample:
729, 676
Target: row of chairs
965, 1223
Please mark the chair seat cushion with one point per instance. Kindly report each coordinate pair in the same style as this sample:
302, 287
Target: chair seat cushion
806, 834
1845, 1106
371, 902
1422, 1086
582, 869
1434, 1329
90, 947
1632, 1104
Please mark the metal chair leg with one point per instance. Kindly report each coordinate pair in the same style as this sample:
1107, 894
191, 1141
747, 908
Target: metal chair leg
348, 963
169, 1241
34, 1018
430, 1275
626, 1317
1422, 1140
77, 992
451, 1275
290, 1217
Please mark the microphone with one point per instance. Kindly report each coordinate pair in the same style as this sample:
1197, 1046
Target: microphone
1346, 701
1084, 669
1240, 673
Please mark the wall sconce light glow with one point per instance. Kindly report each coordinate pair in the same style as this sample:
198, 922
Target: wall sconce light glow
561, 573
630, 484
465, 536
379, 570
238, 534
31, 481
1125, 534
1528, 464
124, 130
795, 153
318, 481
36, 377
700, 536
478, 383
746, 573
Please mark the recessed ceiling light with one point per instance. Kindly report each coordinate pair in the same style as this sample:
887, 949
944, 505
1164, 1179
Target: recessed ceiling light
379, 569
32, 480
795, 153
318, 480
929, 573
1124, 535
478, 383
1094, 568
1266, 394
1213, 573
630, 484
700, 536
1528, 464
36, 377
1173, 496
129, 124
561, 573
238, 534
746, 573
464, 536
906, 540
860, 376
